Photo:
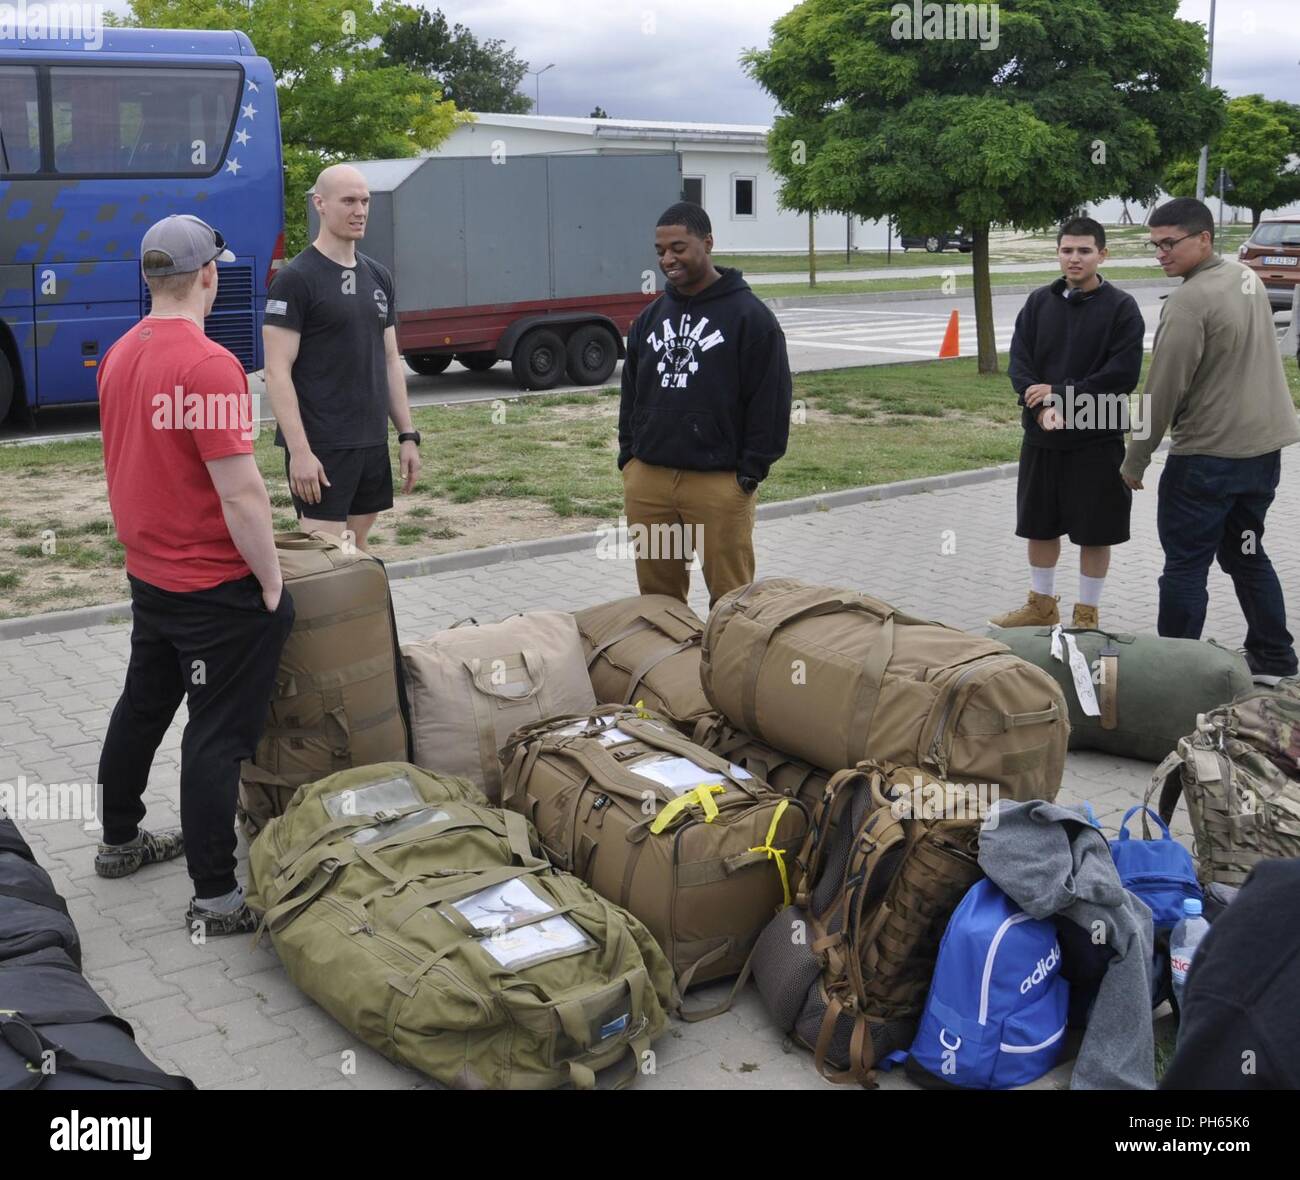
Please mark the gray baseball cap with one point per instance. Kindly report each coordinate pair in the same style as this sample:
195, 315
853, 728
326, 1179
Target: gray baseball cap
189, 242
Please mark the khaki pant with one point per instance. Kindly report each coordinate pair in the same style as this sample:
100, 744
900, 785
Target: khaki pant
720, 516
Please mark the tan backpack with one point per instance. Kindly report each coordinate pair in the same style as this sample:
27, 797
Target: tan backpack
834, 676
697, 849
471, 686
646, 648
339, 698
845, 970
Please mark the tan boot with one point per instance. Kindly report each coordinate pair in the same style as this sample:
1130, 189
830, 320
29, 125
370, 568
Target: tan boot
1085, 617
1039, 611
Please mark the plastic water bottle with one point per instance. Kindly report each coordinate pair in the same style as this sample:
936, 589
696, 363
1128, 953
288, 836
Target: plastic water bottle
1183, 942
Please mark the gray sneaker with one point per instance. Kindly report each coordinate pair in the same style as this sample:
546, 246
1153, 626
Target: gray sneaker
121, 860
240, 921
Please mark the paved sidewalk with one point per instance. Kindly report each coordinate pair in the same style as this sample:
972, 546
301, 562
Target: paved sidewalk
228, 1016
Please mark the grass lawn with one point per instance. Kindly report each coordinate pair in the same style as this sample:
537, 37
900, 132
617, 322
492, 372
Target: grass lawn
531, 467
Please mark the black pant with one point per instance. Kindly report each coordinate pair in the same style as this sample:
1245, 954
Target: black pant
1209, 507
221, 648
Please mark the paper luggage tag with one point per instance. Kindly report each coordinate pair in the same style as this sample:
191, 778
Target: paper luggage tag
1083, 687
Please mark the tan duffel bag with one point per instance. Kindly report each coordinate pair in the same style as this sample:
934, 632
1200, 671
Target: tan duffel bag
834, 677
646, 648
471, 686
339, 700
781, 772
702, 854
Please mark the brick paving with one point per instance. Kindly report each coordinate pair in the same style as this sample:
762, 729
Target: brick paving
226, 1014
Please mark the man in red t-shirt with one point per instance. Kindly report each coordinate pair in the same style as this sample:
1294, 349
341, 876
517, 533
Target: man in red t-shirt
209, 609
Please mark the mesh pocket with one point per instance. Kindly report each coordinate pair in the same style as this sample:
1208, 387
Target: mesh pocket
785, 968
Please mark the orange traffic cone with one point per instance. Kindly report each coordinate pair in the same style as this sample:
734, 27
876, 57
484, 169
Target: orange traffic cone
951, 345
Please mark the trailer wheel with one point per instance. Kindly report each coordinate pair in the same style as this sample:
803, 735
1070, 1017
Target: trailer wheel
538, 362
593, 353
428, 364
477, 362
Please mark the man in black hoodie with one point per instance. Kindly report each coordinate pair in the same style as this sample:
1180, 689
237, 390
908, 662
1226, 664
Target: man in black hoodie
705, 413
1075, 357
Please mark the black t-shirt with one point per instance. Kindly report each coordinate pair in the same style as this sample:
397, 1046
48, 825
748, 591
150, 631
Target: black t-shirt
341, 374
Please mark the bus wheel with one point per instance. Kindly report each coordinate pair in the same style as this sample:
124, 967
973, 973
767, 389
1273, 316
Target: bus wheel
593, 353
477, 362
428, 364
538, 362
6, 387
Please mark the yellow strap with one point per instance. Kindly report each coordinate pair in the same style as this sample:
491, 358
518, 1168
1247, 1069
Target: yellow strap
641, 713
703, 795
777, 853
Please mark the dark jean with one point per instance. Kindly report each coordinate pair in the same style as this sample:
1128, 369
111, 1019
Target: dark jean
221, 648
1209, 507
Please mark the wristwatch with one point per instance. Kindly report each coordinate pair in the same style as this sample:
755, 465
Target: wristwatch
409, 436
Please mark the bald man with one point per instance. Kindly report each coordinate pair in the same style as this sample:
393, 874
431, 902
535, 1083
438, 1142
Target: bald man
333, 373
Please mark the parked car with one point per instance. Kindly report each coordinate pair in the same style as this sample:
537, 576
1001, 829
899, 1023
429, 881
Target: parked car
1273, 252
957, 239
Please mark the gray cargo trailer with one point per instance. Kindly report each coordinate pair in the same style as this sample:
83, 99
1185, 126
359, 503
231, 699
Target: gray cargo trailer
540, 260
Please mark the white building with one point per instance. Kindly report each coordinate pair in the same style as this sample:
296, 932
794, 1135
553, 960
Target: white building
724, 168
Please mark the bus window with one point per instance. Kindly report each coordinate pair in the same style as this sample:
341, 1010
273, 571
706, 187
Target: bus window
20, 122
112, 121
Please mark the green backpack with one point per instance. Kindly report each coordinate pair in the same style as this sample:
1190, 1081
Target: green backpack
1240, 775
428, 923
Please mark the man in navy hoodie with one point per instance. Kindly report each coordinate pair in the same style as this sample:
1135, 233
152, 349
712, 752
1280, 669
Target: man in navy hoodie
1075, 357
705, 413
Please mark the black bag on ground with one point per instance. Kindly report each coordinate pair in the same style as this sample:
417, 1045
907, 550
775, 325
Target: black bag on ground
56, 1033
32, 914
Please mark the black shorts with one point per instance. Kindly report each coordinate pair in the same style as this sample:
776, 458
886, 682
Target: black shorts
361, 482
1078, 492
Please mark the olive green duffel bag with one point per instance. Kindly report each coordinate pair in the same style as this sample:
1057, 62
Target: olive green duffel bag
429, 924
1146, 690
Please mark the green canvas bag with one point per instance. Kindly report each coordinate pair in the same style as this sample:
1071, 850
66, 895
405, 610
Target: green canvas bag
428, 923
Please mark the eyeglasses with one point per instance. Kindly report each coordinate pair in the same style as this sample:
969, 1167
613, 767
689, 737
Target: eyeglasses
217, 239
1166, 244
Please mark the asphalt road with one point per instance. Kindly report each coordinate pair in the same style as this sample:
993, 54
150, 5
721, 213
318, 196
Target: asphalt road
820, 334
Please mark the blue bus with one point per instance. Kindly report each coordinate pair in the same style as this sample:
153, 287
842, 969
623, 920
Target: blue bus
100, 139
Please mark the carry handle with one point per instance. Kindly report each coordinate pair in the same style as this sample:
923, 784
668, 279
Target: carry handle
299, 541
1015, 720
1146, 830
481, 676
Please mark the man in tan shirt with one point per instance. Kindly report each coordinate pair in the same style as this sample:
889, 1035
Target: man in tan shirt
1216, 384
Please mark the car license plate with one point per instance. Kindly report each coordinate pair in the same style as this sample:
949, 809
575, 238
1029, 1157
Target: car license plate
1278, 260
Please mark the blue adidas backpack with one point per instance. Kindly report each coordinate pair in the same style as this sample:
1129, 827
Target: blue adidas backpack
995, 1016
1160, 872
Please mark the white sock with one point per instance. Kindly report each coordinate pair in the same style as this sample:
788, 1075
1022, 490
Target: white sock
1090, 590
227, 903
1042, 578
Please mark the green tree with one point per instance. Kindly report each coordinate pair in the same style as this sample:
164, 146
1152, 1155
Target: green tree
1060, 103
338, 99
599, 113
1259, 138
476, 75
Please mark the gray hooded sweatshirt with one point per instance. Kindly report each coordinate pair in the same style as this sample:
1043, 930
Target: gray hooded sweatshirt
1051, 862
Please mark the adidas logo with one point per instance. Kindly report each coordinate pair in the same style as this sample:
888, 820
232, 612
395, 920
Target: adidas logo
1042, 970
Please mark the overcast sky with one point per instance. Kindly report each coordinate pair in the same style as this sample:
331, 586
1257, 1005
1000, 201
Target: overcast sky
679, 59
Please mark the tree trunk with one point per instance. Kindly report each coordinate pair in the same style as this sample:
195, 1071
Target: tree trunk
812, 249
1255, 215
986, 342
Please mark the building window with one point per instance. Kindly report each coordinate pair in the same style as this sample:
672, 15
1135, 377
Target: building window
742, 196
693, 189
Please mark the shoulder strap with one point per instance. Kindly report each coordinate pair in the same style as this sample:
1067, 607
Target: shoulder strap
25, 1039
